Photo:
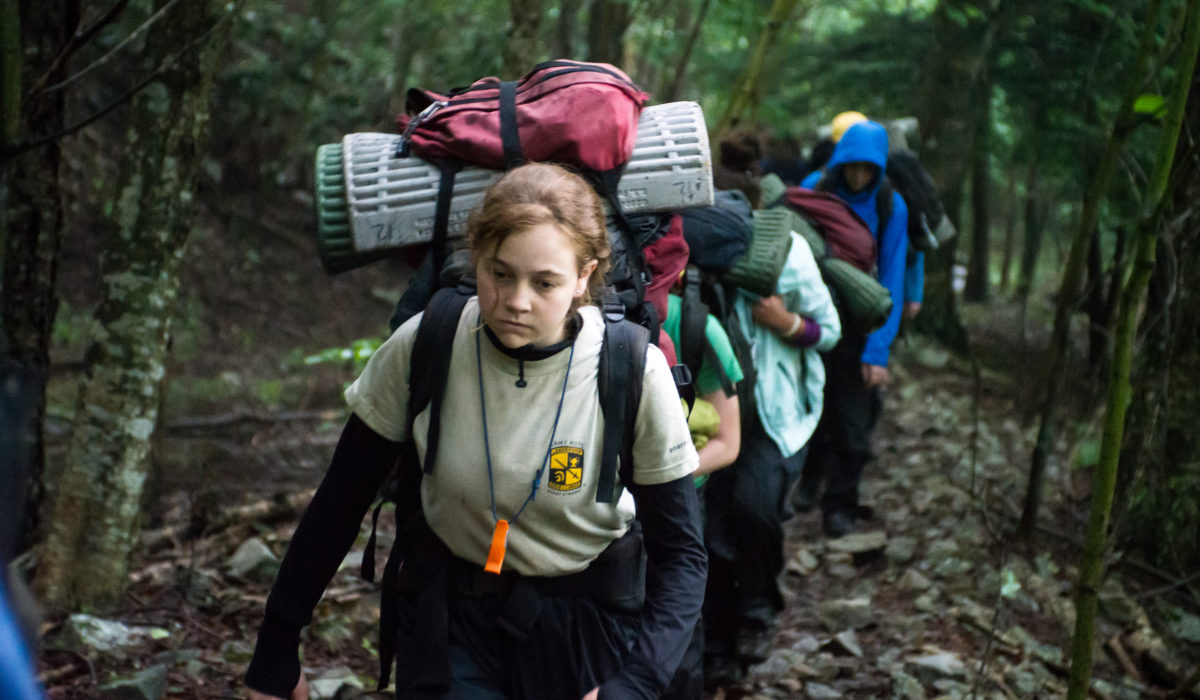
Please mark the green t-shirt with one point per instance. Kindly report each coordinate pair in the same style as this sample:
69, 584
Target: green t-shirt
708, 380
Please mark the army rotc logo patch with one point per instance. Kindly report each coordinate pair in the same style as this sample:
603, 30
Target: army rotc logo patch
566, 468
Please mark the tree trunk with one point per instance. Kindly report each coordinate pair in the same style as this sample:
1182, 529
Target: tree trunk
979, 269
743, 104
1054, 376
1096, 305
1012, 206
32, 203
564, 31
96, 503
607, 23
671, 94
1091, 568
522, 50
945, 136
1032, 227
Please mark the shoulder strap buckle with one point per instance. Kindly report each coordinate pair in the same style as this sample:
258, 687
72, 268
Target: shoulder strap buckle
614, 310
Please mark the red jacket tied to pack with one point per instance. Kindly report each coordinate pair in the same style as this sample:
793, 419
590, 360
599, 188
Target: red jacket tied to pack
848, 236
569, 112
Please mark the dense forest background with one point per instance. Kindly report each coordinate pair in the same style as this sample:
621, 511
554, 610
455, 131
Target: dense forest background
181, 351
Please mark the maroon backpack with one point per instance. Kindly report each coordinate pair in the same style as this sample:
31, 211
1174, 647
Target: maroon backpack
847, 235
579, 114
583, 115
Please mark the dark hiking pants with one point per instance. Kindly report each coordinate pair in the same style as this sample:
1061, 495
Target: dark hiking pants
574, 645
841, 445
744, 535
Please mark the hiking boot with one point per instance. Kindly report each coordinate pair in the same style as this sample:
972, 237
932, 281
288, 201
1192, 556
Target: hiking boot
721, 671
754, 645
838, 523
805, 497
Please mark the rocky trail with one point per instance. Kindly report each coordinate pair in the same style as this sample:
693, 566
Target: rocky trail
927, 600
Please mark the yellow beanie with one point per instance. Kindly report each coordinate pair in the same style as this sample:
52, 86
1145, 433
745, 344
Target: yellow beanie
844, 121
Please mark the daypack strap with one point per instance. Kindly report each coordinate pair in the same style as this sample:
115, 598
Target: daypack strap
883, 207
692, 313
510, 137
441, 218
693, 332
429, 368
622, 362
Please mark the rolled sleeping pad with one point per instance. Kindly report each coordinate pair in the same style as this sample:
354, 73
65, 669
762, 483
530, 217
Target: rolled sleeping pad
772, 188
758, 269
369, 203
867, 302
864, 299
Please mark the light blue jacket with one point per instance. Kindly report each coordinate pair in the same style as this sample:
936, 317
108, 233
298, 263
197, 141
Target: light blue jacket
789, 411
867, 142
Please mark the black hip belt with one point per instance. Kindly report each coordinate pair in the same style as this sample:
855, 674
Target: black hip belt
615, 579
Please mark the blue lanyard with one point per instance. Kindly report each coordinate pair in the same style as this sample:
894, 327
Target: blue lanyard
487, 450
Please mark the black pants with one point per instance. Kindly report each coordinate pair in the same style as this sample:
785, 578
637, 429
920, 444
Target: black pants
744, 535
841, 445
574, 645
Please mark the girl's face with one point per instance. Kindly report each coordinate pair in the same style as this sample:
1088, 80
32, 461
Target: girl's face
859, 175
527, 285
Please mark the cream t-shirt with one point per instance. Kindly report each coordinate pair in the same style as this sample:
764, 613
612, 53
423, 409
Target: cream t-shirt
563, 528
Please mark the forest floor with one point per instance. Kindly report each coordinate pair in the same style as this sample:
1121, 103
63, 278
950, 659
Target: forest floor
930, 599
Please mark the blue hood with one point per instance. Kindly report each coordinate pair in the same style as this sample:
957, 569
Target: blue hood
863, 142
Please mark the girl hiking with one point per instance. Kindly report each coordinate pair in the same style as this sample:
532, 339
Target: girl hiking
519, 580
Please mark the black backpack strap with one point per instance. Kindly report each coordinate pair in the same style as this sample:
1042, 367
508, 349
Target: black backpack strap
441, 217
622, 363
693, 331
883, 207
429, 367
692, 319
510, 136
431, 353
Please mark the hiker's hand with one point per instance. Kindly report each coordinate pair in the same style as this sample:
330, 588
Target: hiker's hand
593, 694
770, 312
875, 376
911, 309
300, 692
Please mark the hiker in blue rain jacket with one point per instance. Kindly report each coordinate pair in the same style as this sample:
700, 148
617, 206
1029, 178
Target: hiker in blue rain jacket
858, 367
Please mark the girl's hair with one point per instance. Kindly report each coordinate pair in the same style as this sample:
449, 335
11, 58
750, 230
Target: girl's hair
541, 193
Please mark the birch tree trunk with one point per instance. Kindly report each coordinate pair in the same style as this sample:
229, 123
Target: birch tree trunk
1091, 568
96, 503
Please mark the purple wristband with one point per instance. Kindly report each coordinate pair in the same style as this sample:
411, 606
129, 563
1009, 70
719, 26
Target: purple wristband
809, 336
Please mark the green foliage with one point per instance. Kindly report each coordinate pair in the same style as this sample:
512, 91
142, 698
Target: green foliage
1152, 105
1163, 517
355, 356
1087, 455
72, 328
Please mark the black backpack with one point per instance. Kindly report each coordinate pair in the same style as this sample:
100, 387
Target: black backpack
717, 237
906, 175
703, 294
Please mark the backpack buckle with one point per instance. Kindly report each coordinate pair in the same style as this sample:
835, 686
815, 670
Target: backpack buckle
402, 149
614, 310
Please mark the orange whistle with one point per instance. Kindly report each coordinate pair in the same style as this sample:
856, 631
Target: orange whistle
499, 545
